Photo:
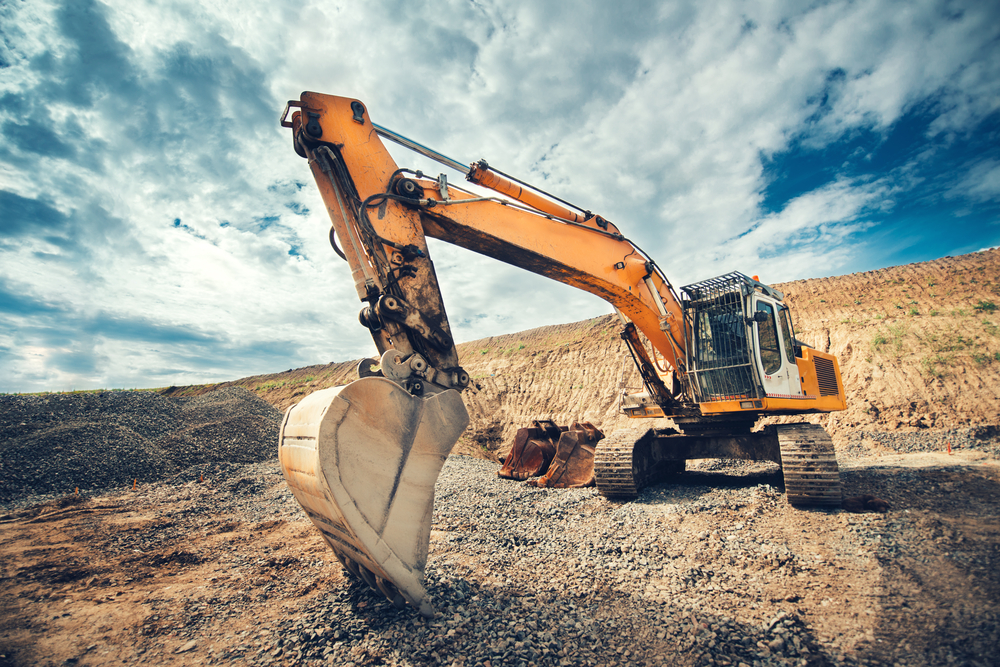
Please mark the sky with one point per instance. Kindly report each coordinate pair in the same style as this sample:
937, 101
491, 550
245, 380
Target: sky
156, 227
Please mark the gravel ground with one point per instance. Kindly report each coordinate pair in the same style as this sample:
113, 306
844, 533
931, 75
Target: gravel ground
970, 438
211, 561
56, 443
713, 569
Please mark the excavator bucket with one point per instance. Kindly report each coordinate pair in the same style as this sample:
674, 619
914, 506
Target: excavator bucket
534, 447
573, 464
362, 460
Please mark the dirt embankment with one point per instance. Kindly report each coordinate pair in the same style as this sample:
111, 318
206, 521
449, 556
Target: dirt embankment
919, 348
919, 345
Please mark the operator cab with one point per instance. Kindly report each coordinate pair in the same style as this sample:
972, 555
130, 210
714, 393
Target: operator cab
741, 342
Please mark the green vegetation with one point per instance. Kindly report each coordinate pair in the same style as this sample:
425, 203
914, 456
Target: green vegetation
890, 340
270, 385
931, 365
913, 311
982, 359
949, 341
985, 306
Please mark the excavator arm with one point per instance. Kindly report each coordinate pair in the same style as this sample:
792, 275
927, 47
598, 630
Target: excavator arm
362, 459
381, 216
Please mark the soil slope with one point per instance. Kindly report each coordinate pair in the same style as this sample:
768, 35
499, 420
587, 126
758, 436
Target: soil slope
919, 348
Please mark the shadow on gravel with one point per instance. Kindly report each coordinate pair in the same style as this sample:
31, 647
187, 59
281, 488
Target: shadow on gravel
476, 624
729, 480
939, 565
947, 490
691, 485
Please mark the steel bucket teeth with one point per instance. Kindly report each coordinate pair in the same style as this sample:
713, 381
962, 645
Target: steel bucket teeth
362, 460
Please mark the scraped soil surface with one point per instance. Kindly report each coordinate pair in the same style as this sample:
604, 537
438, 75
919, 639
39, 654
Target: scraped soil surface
712, 568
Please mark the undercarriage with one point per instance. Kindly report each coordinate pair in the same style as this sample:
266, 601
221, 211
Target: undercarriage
631, 459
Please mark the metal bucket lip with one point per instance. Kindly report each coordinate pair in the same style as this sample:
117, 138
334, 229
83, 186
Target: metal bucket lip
362, 460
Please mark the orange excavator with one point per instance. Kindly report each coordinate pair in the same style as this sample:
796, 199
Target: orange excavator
362, 459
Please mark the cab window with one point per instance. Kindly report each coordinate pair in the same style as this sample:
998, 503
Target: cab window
767, 338
786, 333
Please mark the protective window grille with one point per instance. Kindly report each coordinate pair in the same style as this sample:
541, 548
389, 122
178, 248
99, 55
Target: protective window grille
721, 362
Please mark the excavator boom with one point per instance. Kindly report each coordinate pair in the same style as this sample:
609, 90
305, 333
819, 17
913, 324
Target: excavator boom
362, 459
370, 201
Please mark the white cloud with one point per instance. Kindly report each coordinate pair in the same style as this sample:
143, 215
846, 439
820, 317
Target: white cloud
810, 236
661, 118
981, 183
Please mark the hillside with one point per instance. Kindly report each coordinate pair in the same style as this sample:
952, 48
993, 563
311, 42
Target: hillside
919, 348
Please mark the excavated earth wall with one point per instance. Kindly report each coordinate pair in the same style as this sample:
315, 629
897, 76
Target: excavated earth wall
918, 345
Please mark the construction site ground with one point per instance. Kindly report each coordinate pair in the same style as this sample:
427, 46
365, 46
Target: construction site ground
216, 564
219, 566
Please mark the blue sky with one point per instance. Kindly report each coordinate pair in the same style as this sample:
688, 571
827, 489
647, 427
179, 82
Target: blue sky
156, 227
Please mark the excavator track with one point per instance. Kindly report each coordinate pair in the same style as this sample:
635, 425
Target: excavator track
614, 471
809, 464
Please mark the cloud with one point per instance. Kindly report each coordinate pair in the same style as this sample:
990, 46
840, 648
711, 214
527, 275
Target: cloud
20, 215
981, 183
14, 303
718, 136
811, 234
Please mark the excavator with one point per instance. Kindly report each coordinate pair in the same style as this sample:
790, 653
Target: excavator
716, 356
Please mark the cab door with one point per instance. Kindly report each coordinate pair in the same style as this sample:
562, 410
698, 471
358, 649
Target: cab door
778, 371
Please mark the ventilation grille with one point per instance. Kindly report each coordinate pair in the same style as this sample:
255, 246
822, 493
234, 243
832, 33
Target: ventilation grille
826, 376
